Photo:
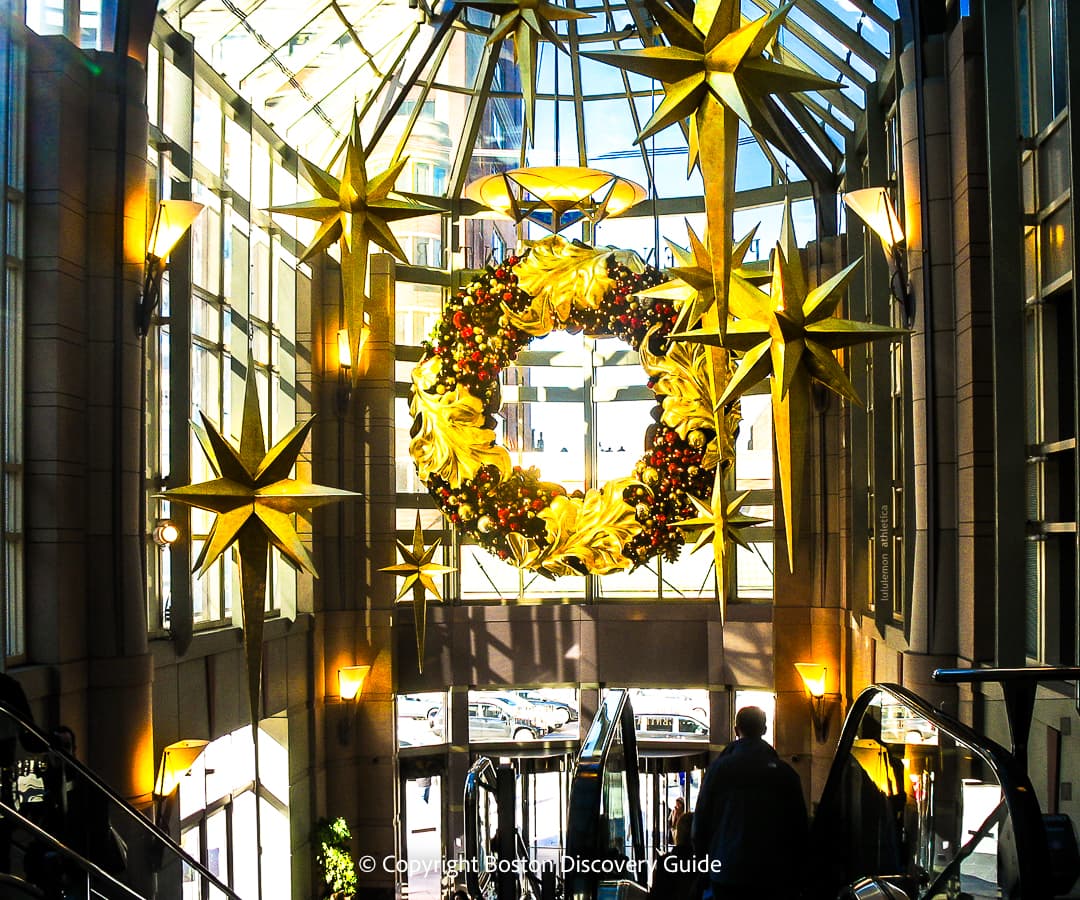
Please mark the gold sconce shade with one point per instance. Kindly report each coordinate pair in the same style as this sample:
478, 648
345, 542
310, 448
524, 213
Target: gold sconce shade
555, 196
351, 681
813, 677
173, 218
343, 349
875, 207
176, 760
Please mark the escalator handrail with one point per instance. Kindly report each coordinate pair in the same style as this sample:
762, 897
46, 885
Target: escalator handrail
1029, 832
143, 822
81, 861
589, 771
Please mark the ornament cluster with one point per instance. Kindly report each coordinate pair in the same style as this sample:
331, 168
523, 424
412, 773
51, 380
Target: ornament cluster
474, 340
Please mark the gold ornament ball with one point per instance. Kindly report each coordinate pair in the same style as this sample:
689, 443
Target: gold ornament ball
466, 511
696, 439
650, 475
485, 524
642, 511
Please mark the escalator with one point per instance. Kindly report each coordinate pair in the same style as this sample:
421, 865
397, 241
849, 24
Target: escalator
604, 856
65, 833
918, 806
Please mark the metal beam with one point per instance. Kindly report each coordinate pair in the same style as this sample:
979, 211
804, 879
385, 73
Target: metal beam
441, 34
473, 119
844, 33
826, 53
1007, 325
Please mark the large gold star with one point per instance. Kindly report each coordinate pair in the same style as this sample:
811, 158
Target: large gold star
790, 334
723, 524
714, 70
419, 572
254, 499
526, 21
355, 210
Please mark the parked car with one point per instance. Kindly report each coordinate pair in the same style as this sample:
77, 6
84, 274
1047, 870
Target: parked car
899, 725
562, 712
543, 718
669, 726
417, 706
491, 720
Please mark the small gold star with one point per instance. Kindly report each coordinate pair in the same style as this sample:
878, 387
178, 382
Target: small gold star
722, 523
254, 500
419, 572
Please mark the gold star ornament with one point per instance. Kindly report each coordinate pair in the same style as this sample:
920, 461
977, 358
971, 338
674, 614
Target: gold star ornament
790, 334
714, 71
419, 572
724, 524
254, 499
355, 210
526, 21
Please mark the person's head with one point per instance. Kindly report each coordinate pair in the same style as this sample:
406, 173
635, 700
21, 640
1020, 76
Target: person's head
750, 722
680, 805
684, 829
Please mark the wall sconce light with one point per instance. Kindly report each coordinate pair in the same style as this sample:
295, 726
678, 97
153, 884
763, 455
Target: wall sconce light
176, 761
172, 220
821, 703
875, 207
344, 387
165, 533
350, 689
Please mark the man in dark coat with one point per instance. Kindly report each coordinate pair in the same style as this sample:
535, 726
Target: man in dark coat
750, 819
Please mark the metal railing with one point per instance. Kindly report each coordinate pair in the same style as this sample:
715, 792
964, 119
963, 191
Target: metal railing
64, 830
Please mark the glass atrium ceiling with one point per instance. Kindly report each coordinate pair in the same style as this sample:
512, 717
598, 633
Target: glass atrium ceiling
410, 68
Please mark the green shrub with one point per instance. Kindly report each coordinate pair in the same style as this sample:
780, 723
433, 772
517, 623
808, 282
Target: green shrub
335, 857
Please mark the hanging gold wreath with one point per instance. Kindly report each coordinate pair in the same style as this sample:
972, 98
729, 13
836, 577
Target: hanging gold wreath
511, 511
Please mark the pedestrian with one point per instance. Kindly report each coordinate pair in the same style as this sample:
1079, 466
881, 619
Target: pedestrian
750, 820
675, 875
677, 812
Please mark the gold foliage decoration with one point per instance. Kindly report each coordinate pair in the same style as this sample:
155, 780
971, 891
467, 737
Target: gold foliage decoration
591, 529
682, 377
557, 272
454, 440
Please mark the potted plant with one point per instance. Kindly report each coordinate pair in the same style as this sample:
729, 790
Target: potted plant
335, 858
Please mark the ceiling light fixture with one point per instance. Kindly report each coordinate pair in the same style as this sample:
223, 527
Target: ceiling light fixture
555, 197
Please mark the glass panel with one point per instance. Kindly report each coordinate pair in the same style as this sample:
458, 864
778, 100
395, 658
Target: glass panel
661, 715
421, 719
245, 851
237, 170
507, 716
177, 105
423, 846
1055, 244
217, 845
1054, 166
206, 130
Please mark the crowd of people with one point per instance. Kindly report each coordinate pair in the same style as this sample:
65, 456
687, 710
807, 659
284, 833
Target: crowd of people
748, 836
